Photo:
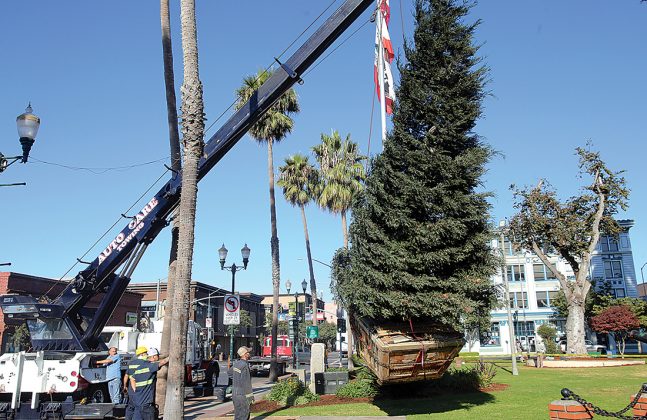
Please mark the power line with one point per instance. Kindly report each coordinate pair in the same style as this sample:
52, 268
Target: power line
100, 170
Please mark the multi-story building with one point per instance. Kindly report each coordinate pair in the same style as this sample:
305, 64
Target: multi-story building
533, 288
303, 309
207, 308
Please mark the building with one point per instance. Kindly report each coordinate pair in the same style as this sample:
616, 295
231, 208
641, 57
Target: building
207, 311
125, 313
304, 307
533, 288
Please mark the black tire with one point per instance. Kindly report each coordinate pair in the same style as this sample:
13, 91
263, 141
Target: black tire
98, 394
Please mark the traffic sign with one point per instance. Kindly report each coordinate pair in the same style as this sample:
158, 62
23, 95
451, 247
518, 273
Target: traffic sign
208, 322
232, 310
313, 331
292, 308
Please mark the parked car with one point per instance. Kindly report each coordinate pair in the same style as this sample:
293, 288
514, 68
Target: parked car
303, 354
590, 347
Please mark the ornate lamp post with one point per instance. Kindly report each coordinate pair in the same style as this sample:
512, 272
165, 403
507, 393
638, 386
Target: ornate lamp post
27, 124
222, 253
304, 286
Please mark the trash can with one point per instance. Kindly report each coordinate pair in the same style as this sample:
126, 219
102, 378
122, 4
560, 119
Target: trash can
329, 382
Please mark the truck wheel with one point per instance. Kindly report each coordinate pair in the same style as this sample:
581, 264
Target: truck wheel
98, 394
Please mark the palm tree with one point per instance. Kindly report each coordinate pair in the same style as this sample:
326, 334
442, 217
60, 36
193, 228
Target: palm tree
298, 179
272, 127
193, 134
174, 143
342, 175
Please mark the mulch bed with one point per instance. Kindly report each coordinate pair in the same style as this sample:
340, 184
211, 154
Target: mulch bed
495, 387
267, 406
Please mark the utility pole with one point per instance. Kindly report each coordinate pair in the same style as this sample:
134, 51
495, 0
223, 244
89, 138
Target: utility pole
504, 273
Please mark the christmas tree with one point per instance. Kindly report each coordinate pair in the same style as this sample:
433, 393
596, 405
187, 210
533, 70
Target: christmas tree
420, 235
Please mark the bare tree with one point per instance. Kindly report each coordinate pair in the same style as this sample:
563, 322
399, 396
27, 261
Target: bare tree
572, 229
193, 133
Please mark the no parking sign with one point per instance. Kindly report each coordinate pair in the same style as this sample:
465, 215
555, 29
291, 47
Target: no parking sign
232, 310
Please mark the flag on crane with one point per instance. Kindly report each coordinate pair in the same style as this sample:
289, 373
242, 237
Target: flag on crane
383, 41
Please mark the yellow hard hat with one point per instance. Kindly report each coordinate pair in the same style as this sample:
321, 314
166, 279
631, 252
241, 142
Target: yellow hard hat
141, 350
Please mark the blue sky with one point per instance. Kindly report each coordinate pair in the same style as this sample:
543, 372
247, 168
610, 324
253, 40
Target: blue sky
562, 73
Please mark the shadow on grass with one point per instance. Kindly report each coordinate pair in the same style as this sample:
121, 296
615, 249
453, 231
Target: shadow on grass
434, 397
437, 404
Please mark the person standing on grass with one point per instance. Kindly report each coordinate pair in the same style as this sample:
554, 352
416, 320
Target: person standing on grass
241, 393
113, 374
541, 353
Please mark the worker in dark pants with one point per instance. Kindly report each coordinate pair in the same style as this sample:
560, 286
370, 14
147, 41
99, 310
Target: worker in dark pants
241, 393
143, 381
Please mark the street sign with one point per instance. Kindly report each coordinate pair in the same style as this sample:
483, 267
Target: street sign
208, 322
232, 310
313, 331
292, 308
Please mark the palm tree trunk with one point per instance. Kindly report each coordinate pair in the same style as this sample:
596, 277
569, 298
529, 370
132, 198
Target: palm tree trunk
344, 228
193, 133
174, 143
276, 266
313, 283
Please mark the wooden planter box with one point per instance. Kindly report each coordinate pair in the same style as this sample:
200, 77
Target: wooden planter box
396, 354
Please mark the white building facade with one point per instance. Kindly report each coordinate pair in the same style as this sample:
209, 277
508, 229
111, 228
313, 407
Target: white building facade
533, 288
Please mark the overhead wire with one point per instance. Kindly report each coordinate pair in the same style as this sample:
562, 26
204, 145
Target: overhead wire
100, 170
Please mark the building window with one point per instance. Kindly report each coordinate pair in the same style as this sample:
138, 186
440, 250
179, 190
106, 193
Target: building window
619, 293
492, 336
608, 244
524, 328
518, 300
516, 272
613, 269
545, 298
541, 272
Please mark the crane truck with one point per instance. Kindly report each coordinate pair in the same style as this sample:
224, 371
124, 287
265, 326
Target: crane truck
58, 372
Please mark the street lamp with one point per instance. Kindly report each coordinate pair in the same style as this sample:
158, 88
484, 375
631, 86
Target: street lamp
642, 277
222, 253
504, 273
304, 286
27, 124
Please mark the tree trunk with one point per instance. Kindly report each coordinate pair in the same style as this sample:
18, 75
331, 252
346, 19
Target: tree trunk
344, 228
174, 144
276, 265
313, 283
193, 133
575, 333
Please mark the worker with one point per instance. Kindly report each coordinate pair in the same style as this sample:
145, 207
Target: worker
113, 374
143, 381
241, 393
134, 364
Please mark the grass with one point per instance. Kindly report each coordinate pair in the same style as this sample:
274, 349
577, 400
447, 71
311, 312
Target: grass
527, 396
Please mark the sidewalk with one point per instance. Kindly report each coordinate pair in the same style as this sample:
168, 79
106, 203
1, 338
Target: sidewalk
209, 408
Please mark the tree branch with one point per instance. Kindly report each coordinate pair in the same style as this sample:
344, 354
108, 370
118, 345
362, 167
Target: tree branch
561, 277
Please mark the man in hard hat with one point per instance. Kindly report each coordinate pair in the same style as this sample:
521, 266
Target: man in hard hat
144, 380
241, 393
133, 365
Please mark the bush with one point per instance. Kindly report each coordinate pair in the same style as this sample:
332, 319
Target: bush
463, 379
485, 373
548, 333
336, 369
360, 388
290, 392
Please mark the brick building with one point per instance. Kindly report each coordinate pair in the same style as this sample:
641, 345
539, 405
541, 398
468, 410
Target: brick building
207, 302
125, 313
304, 308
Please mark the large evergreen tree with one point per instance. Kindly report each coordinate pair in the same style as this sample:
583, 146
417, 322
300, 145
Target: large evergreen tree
420, 235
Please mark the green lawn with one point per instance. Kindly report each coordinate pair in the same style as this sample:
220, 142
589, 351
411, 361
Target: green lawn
526, 398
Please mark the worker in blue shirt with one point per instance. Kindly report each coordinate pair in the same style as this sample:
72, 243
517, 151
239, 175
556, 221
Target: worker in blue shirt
113, 374
143, 381
134, 364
